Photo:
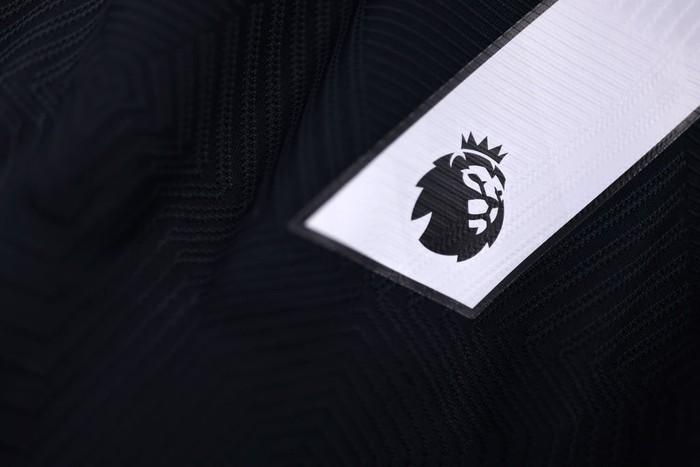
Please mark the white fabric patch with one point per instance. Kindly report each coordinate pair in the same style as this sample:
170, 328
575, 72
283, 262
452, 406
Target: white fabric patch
576, 99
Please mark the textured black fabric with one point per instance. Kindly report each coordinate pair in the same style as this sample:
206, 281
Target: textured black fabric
155, 310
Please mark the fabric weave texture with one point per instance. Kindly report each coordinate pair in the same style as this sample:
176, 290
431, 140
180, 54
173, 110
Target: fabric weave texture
156, 310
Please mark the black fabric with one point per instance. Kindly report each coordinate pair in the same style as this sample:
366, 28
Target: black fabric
155, 310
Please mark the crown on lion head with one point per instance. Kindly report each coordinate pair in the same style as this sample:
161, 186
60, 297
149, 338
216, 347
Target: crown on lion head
483, 148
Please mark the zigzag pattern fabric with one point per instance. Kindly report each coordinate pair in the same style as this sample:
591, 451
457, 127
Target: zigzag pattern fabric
156, 310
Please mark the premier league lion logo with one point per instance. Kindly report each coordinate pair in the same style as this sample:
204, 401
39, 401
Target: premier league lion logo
463, 193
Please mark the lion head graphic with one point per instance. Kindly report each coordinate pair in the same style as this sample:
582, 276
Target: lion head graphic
463, 193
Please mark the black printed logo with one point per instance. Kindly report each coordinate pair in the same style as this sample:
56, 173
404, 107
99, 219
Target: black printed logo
463, 193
